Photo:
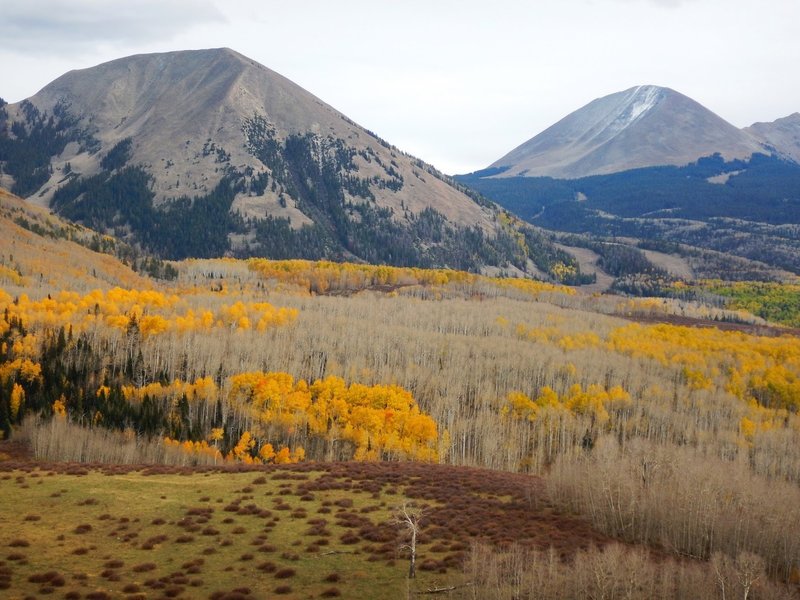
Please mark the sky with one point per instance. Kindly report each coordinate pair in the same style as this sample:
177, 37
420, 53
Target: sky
456, 83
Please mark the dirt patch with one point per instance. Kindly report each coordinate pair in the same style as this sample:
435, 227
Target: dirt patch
588, 262
674, 265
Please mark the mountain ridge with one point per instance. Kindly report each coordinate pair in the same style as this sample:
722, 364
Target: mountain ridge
781, 134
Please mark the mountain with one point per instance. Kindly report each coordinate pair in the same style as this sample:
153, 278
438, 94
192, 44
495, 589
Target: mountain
653, 166
208, 153
783, 135
639, 127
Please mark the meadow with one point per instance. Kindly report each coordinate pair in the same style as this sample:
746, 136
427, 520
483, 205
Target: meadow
312, 530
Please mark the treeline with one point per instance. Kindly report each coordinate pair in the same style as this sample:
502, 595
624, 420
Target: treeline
122, 202
317, 173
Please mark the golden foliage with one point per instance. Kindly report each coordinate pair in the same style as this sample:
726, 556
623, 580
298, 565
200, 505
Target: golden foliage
765, 369
194, 449
151, 312
60, 407
593, 401
17, 398
324, 276
380, 420
22, 369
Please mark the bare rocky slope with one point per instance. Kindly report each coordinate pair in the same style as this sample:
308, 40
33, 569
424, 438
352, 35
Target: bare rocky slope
639, 127
783, 135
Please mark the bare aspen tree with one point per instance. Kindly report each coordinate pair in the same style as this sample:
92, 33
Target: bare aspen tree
749, 569
720, 563
408, 517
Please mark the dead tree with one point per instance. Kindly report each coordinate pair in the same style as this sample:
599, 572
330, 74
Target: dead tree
408, 517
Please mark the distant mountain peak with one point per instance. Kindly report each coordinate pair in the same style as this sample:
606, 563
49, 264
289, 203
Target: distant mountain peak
642, 126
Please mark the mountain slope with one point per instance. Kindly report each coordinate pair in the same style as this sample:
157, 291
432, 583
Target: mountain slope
207, 153
782, 134
39, 250
639, 127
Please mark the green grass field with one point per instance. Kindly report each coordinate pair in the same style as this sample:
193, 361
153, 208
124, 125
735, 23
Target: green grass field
305, 531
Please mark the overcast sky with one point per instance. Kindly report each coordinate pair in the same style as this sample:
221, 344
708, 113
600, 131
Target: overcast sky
458, 83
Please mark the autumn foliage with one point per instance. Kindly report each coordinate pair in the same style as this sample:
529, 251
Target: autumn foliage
379, 421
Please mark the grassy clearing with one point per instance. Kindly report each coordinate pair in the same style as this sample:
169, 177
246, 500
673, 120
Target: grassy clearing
306, 531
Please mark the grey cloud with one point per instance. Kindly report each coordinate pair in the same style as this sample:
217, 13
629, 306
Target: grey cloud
72, 26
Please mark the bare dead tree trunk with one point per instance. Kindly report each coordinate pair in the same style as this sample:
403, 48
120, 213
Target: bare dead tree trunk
409, 517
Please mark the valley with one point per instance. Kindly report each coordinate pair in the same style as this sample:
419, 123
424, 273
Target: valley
249, 349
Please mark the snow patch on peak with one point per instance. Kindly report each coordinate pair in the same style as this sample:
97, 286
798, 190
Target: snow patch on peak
628, 107
644, 98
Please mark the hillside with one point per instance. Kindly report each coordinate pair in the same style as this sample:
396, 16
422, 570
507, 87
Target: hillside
415, 378
640, 127
40, 250
206, 153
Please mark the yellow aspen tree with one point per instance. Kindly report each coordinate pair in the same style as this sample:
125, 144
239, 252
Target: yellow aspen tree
17, 398
60, 407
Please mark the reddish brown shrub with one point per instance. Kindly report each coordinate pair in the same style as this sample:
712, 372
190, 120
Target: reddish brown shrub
349, 538
184, 539
267, 567
114, 564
